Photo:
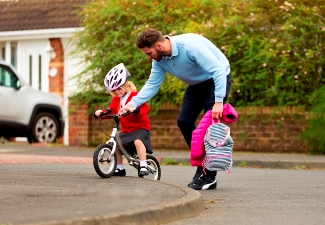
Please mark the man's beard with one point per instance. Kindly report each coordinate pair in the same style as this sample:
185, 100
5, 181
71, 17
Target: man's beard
160, 54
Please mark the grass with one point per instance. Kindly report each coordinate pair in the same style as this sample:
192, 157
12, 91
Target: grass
243, 164
174, 162
300, 167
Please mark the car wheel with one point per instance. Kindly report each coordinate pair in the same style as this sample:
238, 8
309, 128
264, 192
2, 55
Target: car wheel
30, 139
45, 128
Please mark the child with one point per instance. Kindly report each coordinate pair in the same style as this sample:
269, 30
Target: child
135, 133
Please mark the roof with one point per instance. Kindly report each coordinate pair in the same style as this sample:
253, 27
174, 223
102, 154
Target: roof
16, 15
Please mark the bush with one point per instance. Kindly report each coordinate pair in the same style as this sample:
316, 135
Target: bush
315, 132
275, 51
275, 48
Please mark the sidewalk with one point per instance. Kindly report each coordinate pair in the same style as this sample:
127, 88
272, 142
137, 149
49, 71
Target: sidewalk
59, 197
169, 203
259, 160
25, 153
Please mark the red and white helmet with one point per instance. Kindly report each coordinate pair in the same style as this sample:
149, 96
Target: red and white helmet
116, 77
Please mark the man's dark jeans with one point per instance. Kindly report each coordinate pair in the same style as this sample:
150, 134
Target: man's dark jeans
197, 97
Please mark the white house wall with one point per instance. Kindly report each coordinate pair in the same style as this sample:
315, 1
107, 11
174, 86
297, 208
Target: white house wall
71, 68
35, 43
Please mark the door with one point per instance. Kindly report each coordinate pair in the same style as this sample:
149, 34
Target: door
12, 103
34, 66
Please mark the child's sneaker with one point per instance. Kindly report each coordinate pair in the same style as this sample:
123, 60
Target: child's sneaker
119, 172
204, 183
198, 173
143, 171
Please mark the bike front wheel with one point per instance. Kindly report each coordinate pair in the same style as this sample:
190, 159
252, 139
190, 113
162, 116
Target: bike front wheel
153, 168
103, 160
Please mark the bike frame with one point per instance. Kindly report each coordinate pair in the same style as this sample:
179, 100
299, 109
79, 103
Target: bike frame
116, 141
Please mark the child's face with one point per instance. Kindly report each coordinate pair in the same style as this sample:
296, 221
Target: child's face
119, 92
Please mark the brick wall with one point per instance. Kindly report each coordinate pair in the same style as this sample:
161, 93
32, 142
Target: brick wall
258, 129
56, 82
269, 129
57, 62
79, 125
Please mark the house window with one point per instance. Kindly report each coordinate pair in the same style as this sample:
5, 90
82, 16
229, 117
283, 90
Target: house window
3, 52
14, 54
12, 50
30, 70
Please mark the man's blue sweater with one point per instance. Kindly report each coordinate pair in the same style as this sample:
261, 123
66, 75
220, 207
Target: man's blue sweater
194, 59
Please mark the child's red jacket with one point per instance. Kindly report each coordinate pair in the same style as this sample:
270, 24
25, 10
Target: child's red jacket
132, 122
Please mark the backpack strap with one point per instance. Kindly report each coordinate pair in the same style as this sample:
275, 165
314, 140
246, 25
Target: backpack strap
218, 143
215, 120
227, 132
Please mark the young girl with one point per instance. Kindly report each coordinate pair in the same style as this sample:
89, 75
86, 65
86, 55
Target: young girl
135, 133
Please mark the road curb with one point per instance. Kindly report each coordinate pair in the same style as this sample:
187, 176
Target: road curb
189, 205
279, 164
274, 164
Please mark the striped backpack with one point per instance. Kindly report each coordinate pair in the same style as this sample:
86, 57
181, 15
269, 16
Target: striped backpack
218, 147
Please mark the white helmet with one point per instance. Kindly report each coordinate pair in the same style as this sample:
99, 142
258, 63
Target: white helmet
116, 77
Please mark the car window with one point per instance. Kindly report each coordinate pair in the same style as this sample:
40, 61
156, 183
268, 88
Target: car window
6, 77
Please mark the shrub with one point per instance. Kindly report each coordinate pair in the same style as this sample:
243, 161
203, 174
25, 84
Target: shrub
275, 47
315, 131
275, 51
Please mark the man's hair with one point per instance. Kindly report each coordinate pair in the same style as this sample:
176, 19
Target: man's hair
148, 38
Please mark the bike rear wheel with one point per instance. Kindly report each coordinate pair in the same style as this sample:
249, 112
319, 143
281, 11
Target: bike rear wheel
153, 168
104, 163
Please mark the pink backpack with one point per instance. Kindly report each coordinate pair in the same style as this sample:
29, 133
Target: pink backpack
197, 153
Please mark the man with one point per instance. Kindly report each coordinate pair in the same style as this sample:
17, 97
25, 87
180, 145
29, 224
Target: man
199, 63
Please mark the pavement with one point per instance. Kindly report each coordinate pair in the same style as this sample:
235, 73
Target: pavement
172, 203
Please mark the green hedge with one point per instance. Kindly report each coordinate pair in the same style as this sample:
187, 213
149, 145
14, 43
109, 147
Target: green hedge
315, 129
275, 48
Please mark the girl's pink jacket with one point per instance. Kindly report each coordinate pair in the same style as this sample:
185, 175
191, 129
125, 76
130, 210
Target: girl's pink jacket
197, 143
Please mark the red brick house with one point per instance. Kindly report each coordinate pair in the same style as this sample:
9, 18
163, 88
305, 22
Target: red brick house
34, 36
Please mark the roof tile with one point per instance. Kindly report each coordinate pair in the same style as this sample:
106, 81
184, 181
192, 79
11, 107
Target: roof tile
38, 14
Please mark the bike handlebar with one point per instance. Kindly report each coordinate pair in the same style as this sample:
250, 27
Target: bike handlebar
108, 111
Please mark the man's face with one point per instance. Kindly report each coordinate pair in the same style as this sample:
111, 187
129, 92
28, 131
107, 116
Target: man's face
153, 53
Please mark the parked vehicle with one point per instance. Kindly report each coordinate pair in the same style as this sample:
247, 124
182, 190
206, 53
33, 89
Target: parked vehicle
26, 112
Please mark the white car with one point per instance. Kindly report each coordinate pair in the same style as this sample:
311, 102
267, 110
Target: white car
26, 112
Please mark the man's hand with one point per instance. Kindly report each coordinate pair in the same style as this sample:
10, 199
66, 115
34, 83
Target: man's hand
127, 107
217, 110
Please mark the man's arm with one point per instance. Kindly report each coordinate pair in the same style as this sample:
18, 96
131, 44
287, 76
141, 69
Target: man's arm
149, 89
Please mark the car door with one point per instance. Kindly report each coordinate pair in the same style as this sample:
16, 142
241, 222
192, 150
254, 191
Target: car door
12, 99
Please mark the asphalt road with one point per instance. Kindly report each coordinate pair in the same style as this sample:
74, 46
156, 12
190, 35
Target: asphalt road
245, 196
259, 196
